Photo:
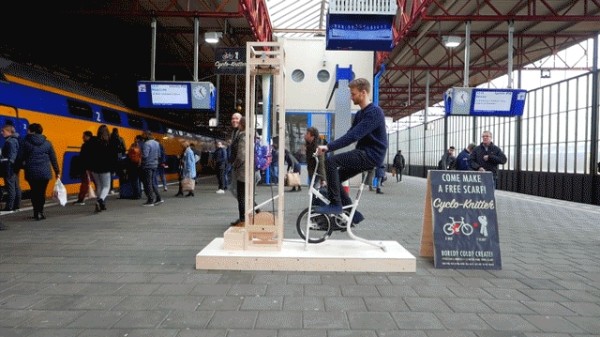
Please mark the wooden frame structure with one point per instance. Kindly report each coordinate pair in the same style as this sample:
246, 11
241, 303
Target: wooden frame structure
262, 231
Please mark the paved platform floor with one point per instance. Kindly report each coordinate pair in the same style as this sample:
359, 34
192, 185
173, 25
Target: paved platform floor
130, 271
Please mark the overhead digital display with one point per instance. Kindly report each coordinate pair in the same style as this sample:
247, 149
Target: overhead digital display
484, 102
176, 95
489, 101
169, 94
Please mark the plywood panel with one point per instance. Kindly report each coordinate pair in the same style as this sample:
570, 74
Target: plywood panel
331, 255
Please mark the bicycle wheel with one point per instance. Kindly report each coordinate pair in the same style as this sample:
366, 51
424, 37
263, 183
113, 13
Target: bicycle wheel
320, 227
467, 229
448, 230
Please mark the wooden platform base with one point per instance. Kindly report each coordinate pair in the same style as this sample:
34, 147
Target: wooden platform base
331, 255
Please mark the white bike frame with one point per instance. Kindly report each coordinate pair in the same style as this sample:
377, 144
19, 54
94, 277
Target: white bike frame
347, 219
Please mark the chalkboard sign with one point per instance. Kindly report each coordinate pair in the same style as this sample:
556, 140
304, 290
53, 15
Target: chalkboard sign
462, 215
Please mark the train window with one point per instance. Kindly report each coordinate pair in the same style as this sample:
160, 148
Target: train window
154, 126
135, 122
111, 116
80, 109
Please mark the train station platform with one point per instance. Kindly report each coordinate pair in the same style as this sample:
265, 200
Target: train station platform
130, 271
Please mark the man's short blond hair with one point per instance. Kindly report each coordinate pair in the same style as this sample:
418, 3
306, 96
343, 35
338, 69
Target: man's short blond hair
360, 84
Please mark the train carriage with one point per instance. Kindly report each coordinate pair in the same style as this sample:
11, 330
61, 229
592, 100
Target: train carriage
65, 109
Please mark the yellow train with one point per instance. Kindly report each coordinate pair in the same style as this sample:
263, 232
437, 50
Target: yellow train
66, 109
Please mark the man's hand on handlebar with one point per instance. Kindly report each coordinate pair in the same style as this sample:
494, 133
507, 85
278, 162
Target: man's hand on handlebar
322, 149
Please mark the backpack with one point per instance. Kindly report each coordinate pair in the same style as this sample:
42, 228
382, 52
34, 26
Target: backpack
135, 154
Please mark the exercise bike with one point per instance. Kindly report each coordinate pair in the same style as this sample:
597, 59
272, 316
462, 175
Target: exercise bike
316, 228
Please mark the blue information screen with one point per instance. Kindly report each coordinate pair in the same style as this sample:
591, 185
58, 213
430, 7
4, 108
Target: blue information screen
176, 95
484, 102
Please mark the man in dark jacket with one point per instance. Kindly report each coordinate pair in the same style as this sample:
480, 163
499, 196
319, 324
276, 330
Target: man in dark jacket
448, 161
399, 164
9, 163
85, 155
369, 132
487, 156
311, 141
221, 163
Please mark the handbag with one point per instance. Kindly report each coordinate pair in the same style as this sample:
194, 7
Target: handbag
91, 194
188, 184
292, 179
59, 193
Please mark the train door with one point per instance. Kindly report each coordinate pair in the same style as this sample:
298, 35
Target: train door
10, 115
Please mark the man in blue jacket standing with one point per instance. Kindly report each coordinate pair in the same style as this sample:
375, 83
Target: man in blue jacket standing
369, 133
463, 161
150, 159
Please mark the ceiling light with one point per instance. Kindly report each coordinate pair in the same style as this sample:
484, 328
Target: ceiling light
212, 37
451, 41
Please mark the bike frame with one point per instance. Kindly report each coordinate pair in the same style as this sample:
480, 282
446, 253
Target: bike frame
346, 219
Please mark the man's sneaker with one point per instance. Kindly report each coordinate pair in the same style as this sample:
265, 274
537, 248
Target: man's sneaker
158, 202
220, 191
357, 218
148, 204
329, 209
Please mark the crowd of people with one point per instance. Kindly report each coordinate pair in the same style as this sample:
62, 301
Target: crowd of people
140, 166
102, 156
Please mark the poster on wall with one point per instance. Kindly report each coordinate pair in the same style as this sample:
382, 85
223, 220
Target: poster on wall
463, 219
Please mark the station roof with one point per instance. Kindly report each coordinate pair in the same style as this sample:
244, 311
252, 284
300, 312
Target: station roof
108, 43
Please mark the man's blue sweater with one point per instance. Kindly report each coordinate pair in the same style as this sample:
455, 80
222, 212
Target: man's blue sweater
368, 131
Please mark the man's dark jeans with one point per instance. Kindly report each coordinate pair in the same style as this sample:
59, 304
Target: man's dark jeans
150, 184
222, 176
13, 197
341, 167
